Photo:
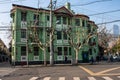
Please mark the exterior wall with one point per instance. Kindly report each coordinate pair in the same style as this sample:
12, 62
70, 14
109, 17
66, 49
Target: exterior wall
17, 42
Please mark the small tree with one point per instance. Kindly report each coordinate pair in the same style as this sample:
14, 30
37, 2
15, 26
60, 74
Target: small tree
78, 37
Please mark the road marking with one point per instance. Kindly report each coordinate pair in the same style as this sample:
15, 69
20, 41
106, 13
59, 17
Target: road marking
107, 78
33, 78
118, 76
61, 78
101, 72
76, 78
47, 78
91, 78
87, 70
108, 70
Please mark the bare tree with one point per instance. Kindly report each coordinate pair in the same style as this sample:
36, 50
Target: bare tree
78, 37
104, 37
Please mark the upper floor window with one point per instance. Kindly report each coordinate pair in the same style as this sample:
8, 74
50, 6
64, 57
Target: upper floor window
64, 20
23, 33
36, 51
23, 50
58, 20
83, 23
48, 18
69, 21
36, 19
65, 36
23, 16
59, 35
77, 22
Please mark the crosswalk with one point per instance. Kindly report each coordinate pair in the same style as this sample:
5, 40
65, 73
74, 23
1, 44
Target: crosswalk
75, 78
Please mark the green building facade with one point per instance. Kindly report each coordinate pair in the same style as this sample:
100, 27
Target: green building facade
28, 22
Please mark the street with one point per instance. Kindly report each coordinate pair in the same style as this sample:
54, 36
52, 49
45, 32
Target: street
62, 72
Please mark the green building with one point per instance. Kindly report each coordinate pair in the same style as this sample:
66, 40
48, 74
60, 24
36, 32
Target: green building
26, 20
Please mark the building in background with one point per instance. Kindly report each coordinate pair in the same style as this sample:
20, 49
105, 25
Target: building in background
27, 19
4, 53
116, 30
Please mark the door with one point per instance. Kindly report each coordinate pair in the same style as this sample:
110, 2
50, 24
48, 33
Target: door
85, 57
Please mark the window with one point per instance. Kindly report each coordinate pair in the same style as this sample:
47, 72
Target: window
59, 50
36, 19
65, 50
36, 51
68, 21
23, 50
23, 33
48, 18
64, 20
59, 35
48, 49
83, 23
77, 22
58, 20
69, 50
90, 51
65, 36
23, 16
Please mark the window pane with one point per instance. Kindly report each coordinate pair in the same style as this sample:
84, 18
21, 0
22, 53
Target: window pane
23, 33
23, 16
64, 20
58, 20
36, 51
59, 50
69, 50
36, 19
65, 36
59, 35
23, 50
77, 22
83, 23
65, 50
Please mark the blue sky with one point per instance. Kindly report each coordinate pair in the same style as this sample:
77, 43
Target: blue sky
98, 7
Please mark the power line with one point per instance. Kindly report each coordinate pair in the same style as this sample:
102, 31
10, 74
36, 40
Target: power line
91, 2
4, 2
104, 12
109, 22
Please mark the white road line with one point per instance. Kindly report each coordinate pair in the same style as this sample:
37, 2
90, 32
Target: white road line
76, 78
118, 76
47, 78
33, 78
0, 79
107, 78
91, 78
61, 78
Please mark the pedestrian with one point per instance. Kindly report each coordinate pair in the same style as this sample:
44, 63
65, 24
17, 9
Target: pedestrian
65, 59
92, 60
97, 59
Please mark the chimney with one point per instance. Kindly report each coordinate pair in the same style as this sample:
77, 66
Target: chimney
67, 5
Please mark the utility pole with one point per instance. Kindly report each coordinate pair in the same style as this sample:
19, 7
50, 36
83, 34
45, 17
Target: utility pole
51, 36
27, 47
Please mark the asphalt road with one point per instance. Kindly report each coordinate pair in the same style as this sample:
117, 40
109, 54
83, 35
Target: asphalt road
63, 72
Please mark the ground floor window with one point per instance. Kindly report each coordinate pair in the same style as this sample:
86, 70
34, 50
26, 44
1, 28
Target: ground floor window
59, 50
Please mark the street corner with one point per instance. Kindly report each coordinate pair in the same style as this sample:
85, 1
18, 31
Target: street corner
101, 71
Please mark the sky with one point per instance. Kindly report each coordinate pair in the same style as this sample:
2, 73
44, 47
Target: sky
87, 7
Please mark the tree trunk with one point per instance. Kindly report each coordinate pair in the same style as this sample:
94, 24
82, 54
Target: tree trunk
45, 61
76, 51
